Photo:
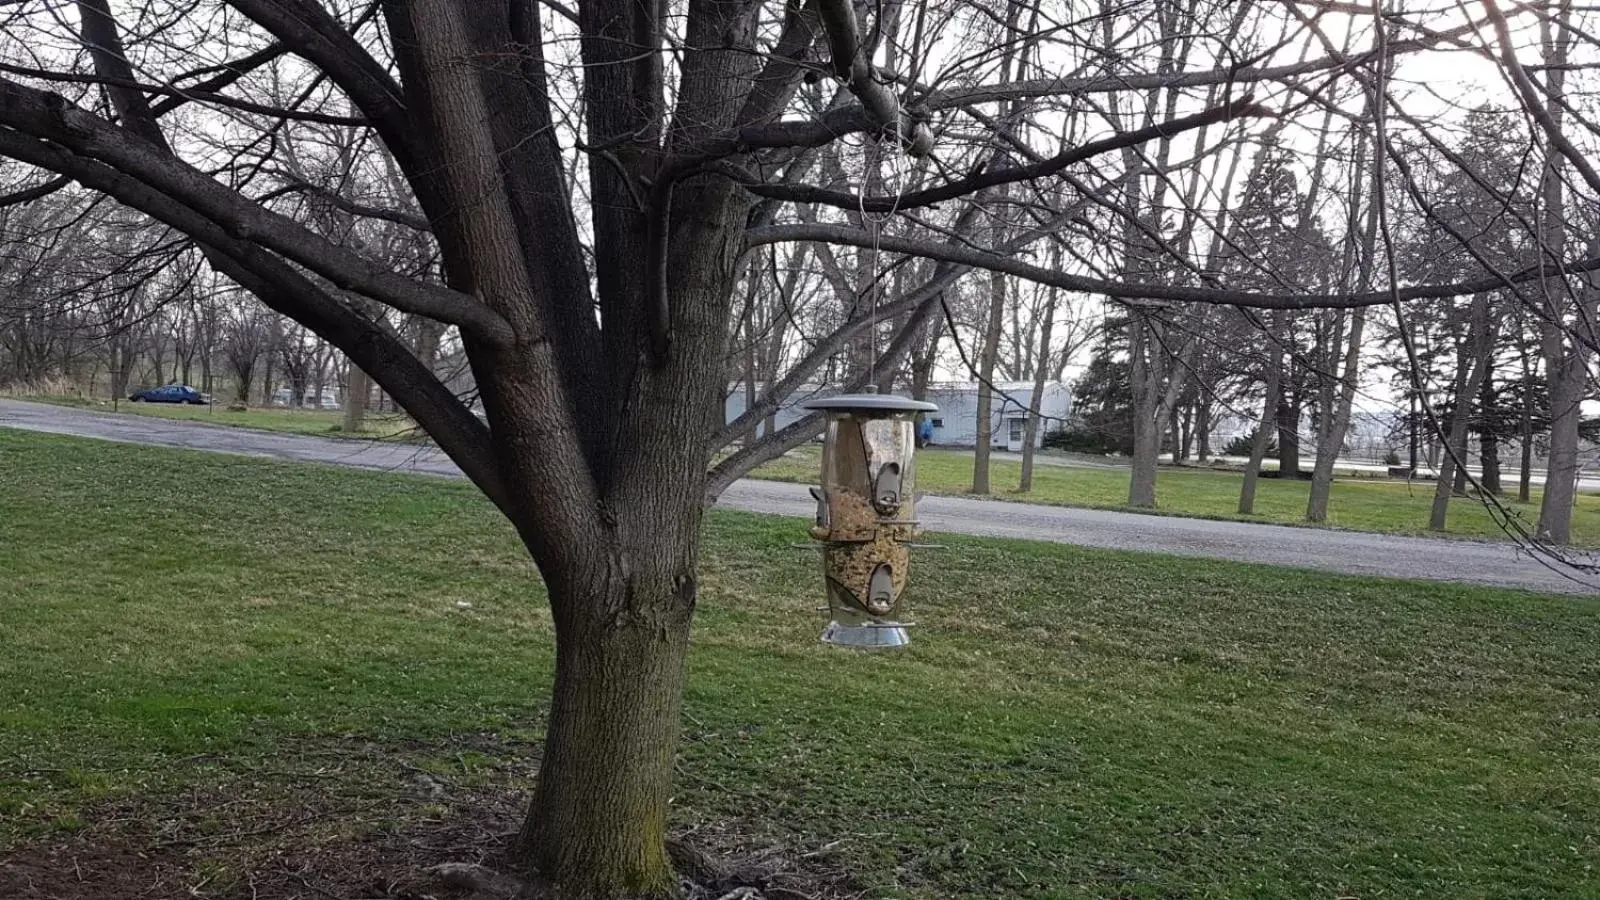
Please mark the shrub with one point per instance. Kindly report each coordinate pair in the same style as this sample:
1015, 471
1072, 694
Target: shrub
1077, 437
1392, 459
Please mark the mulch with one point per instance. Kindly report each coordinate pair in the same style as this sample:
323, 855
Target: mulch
339, 831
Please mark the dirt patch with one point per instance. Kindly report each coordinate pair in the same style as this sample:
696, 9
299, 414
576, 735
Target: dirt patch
380, 822
97, 866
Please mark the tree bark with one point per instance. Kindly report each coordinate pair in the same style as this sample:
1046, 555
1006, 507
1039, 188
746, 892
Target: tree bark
1146, 458
1489, 443
598, 822
357, 388
1288, 417
1566, 373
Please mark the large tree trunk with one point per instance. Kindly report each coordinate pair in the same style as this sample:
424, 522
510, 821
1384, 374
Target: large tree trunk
1566, 374
1290, 407
1146, 457
1202, 431
986, 366
357, 388
598, 822
1489, 444
1331, 440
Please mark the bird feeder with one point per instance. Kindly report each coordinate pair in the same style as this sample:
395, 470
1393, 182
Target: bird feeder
866, 515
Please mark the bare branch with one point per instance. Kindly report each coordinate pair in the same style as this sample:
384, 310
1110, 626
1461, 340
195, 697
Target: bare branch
980, 259
49, 116
800, 193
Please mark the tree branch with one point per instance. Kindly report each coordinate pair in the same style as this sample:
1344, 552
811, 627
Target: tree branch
50, 117
295, 184
28, 195
281, 286
844, 120
801, 193
855, 69
980, 259
177, 96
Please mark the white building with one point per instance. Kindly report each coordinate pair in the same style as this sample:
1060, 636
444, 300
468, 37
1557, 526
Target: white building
956, 422
789, 411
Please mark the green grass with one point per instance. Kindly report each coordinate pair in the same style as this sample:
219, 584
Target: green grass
293, 421
1068, 723
1361, 504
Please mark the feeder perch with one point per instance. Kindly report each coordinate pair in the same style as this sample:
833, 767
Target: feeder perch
866, 515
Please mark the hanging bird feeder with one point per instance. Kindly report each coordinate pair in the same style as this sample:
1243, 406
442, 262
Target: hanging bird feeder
866, 515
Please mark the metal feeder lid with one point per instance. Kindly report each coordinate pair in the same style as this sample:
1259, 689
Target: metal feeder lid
882, 402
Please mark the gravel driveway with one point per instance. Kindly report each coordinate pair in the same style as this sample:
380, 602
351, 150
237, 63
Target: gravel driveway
1495, 564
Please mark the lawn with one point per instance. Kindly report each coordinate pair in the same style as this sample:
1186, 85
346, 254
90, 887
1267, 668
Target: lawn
204, 655
1361, 504
328, 423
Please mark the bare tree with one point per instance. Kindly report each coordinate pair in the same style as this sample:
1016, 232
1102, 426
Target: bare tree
589, 180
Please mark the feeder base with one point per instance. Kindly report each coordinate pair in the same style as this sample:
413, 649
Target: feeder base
877, 636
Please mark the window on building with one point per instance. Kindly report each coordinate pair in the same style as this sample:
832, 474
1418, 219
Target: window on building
1017, 430
938, 423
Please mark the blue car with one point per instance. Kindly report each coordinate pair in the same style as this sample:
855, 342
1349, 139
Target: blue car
172, 393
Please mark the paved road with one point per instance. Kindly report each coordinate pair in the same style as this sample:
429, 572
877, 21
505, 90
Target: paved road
1334, 551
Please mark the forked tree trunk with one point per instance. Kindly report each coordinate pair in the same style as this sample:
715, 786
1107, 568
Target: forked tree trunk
266, 380
1157, 384
1331, 441
1472, 368
1445, 486
242, 383
1268, 423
